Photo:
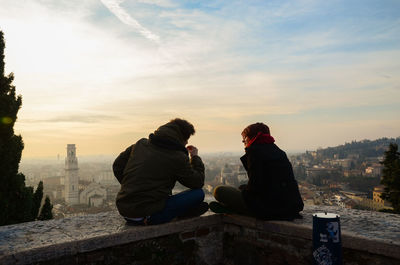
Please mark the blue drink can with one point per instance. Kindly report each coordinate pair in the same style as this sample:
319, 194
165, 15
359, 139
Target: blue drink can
327, 240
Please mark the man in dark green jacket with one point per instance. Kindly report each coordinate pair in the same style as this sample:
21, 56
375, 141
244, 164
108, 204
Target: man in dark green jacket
148, 171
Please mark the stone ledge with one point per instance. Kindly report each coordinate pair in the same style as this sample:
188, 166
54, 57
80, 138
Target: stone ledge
304, 231
35, 242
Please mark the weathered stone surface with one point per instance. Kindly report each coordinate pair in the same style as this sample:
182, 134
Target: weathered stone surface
210, 248
43, 240
188, 235
374, 225
382, 238
202, 232
105, 238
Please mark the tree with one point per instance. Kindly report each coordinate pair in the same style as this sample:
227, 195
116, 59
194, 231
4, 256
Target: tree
37, 199
16, 200
391, 176
46, 213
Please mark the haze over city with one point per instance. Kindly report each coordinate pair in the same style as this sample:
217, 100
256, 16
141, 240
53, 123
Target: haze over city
102, 74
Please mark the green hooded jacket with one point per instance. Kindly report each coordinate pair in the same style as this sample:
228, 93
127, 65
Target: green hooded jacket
153, 167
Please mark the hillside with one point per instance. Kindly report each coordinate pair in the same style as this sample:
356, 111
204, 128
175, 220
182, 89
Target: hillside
364, 148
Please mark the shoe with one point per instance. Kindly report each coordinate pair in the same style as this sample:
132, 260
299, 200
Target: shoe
131, 222
216, 207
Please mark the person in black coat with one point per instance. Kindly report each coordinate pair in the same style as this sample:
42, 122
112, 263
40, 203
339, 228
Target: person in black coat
272, 191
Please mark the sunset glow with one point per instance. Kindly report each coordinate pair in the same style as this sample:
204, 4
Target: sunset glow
103, 73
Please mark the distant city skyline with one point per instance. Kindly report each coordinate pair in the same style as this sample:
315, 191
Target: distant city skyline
102, 74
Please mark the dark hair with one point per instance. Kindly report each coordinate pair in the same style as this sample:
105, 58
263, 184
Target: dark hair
252, 130
185, 127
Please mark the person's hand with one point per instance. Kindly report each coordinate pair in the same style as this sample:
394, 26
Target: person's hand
193, 151
242, 187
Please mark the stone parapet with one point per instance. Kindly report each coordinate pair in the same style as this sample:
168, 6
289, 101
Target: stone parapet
368, 238
251, 241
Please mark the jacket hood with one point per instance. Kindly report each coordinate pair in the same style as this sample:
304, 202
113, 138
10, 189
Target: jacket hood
170, 131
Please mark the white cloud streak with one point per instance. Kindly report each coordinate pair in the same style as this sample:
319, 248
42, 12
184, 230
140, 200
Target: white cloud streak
115, 7
221, 69
161, 3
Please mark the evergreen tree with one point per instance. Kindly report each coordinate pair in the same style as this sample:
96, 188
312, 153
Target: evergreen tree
37, 199
391, 176
45, 212
16, 200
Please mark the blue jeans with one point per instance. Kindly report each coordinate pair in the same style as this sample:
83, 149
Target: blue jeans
177, 205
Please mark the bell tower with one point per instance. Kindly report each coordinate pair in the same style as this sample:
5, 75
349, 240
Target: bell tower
71, 176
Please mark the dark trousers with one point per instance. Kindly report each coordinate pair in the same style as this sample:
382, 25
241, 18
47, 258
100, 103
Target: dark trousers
177, 205
232, 199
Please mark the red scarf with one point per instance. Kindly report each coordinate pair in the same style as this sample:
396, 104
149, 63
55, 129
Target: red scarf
261, 138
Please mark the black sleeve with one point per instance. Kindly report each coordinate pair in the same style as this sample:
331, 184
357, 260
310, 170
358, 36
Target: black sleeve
243, 159
253, 172
120, 163
192, 173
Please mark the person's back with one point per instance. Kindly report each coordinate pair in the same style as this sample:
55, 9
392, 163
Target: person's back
151, 171
148, 179
272, 191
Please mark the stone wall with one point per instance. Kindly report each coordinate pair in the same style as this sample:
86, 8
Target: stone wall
200, 246
105, 239
250, 241
367, 238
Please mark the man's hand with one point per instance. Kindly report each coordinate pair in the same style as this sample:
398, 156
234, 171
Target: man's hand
193, 151
243, 187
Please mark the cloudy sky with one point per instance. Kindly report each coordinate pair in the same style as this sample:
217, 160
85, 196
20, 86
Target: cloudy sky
104, 73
